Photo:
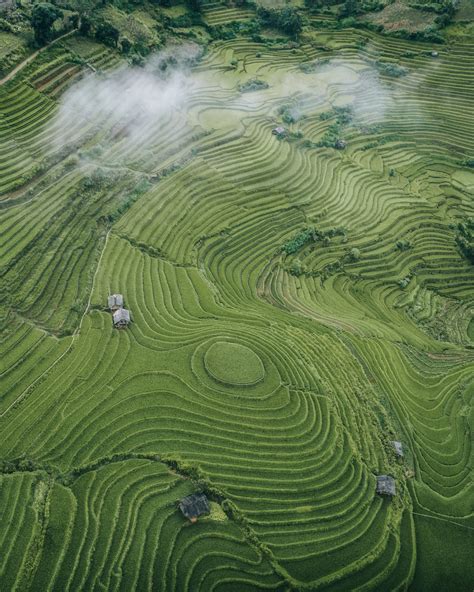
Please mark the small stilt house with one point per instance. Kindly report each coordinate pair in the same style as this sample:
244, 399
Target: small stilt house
121, 318
397, 446
194, 505
115, 301
386, 485
279, 131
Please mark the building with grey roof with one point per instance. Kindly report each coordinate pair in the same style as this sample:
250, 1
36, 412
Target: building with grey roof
194, 505
115, 301
386, 485
121, 318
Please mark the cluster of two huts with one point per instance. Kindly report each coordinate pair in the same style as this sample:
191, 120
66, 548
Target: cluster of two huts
385, 483
195, 505
120, 315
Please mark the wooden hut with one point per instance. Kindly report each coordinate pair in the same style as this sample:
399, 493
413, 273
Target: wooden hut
121, 318
386, 485
115, 301
194, 505
279, 131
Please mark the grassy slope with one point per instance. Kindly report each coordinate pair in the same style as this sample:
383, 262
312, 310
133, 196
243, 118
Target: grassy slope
350, 362
443, 553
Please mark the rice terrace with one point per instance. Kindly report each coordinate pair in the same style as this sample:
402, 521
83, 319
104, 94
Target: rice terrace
236, 295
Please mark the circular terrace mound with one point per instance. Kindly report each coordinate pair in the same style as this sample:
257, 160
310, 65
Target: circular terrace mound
235, 364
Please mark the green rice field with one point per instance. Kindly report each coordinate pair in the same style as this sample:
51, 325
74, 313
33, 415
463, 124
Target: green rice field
295, 309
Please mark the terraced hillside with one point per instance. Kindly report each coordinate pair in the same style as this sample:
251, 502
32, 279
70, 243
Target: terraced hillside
295, 308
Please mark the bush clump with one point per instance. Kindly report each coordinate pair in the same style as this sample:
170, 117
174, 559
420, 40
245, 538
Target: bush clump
393, 70
286, 19
403, 283
289, 114
465, 238
310, 235
313, 66
403, 245
253, 85
468, 162
353, 255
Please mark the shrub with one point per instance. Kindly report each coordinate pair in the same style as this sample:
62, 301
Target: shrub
287, 19
353, 255
253, 85
6, 26
296, 268
289, 114
107, 33
350, 8
403, 245
125, 45
195, 5
403, 283
310, 67
310, 235
390, 69
465, 238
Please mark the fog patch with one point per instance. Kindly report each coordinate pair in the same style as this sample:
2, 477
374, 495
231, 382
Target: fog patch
129, 103
340, 84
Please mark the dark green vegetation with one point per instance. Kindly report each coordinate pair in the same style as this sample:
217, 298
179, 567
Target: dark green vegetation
465, 238
296, 307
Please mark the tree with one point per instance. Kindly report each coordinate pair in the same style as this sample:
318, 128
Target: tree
268, 17
316, 4
290, 21
84, 9
349, 8
195, 5
125, 45
139, 34
42, 18
108, 34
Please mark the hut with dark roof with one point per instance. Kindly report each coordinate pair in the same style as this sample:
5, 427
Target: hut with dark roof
115, 301
386, 485
194, 505
121, 318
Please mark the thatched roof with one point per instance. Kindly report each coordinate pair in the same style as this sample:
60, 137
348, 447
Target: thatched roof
115, 301
386, 485
122, 315
194, 505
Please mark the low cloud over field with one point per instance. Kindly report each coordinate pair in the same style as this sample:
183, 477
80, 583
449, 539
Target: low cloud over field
129, 102
130, 111
337, 83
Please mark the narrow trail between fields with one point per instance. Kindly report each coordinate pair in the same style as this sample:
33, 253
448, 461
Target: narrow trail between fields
31, 57
443, 520
74, 336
